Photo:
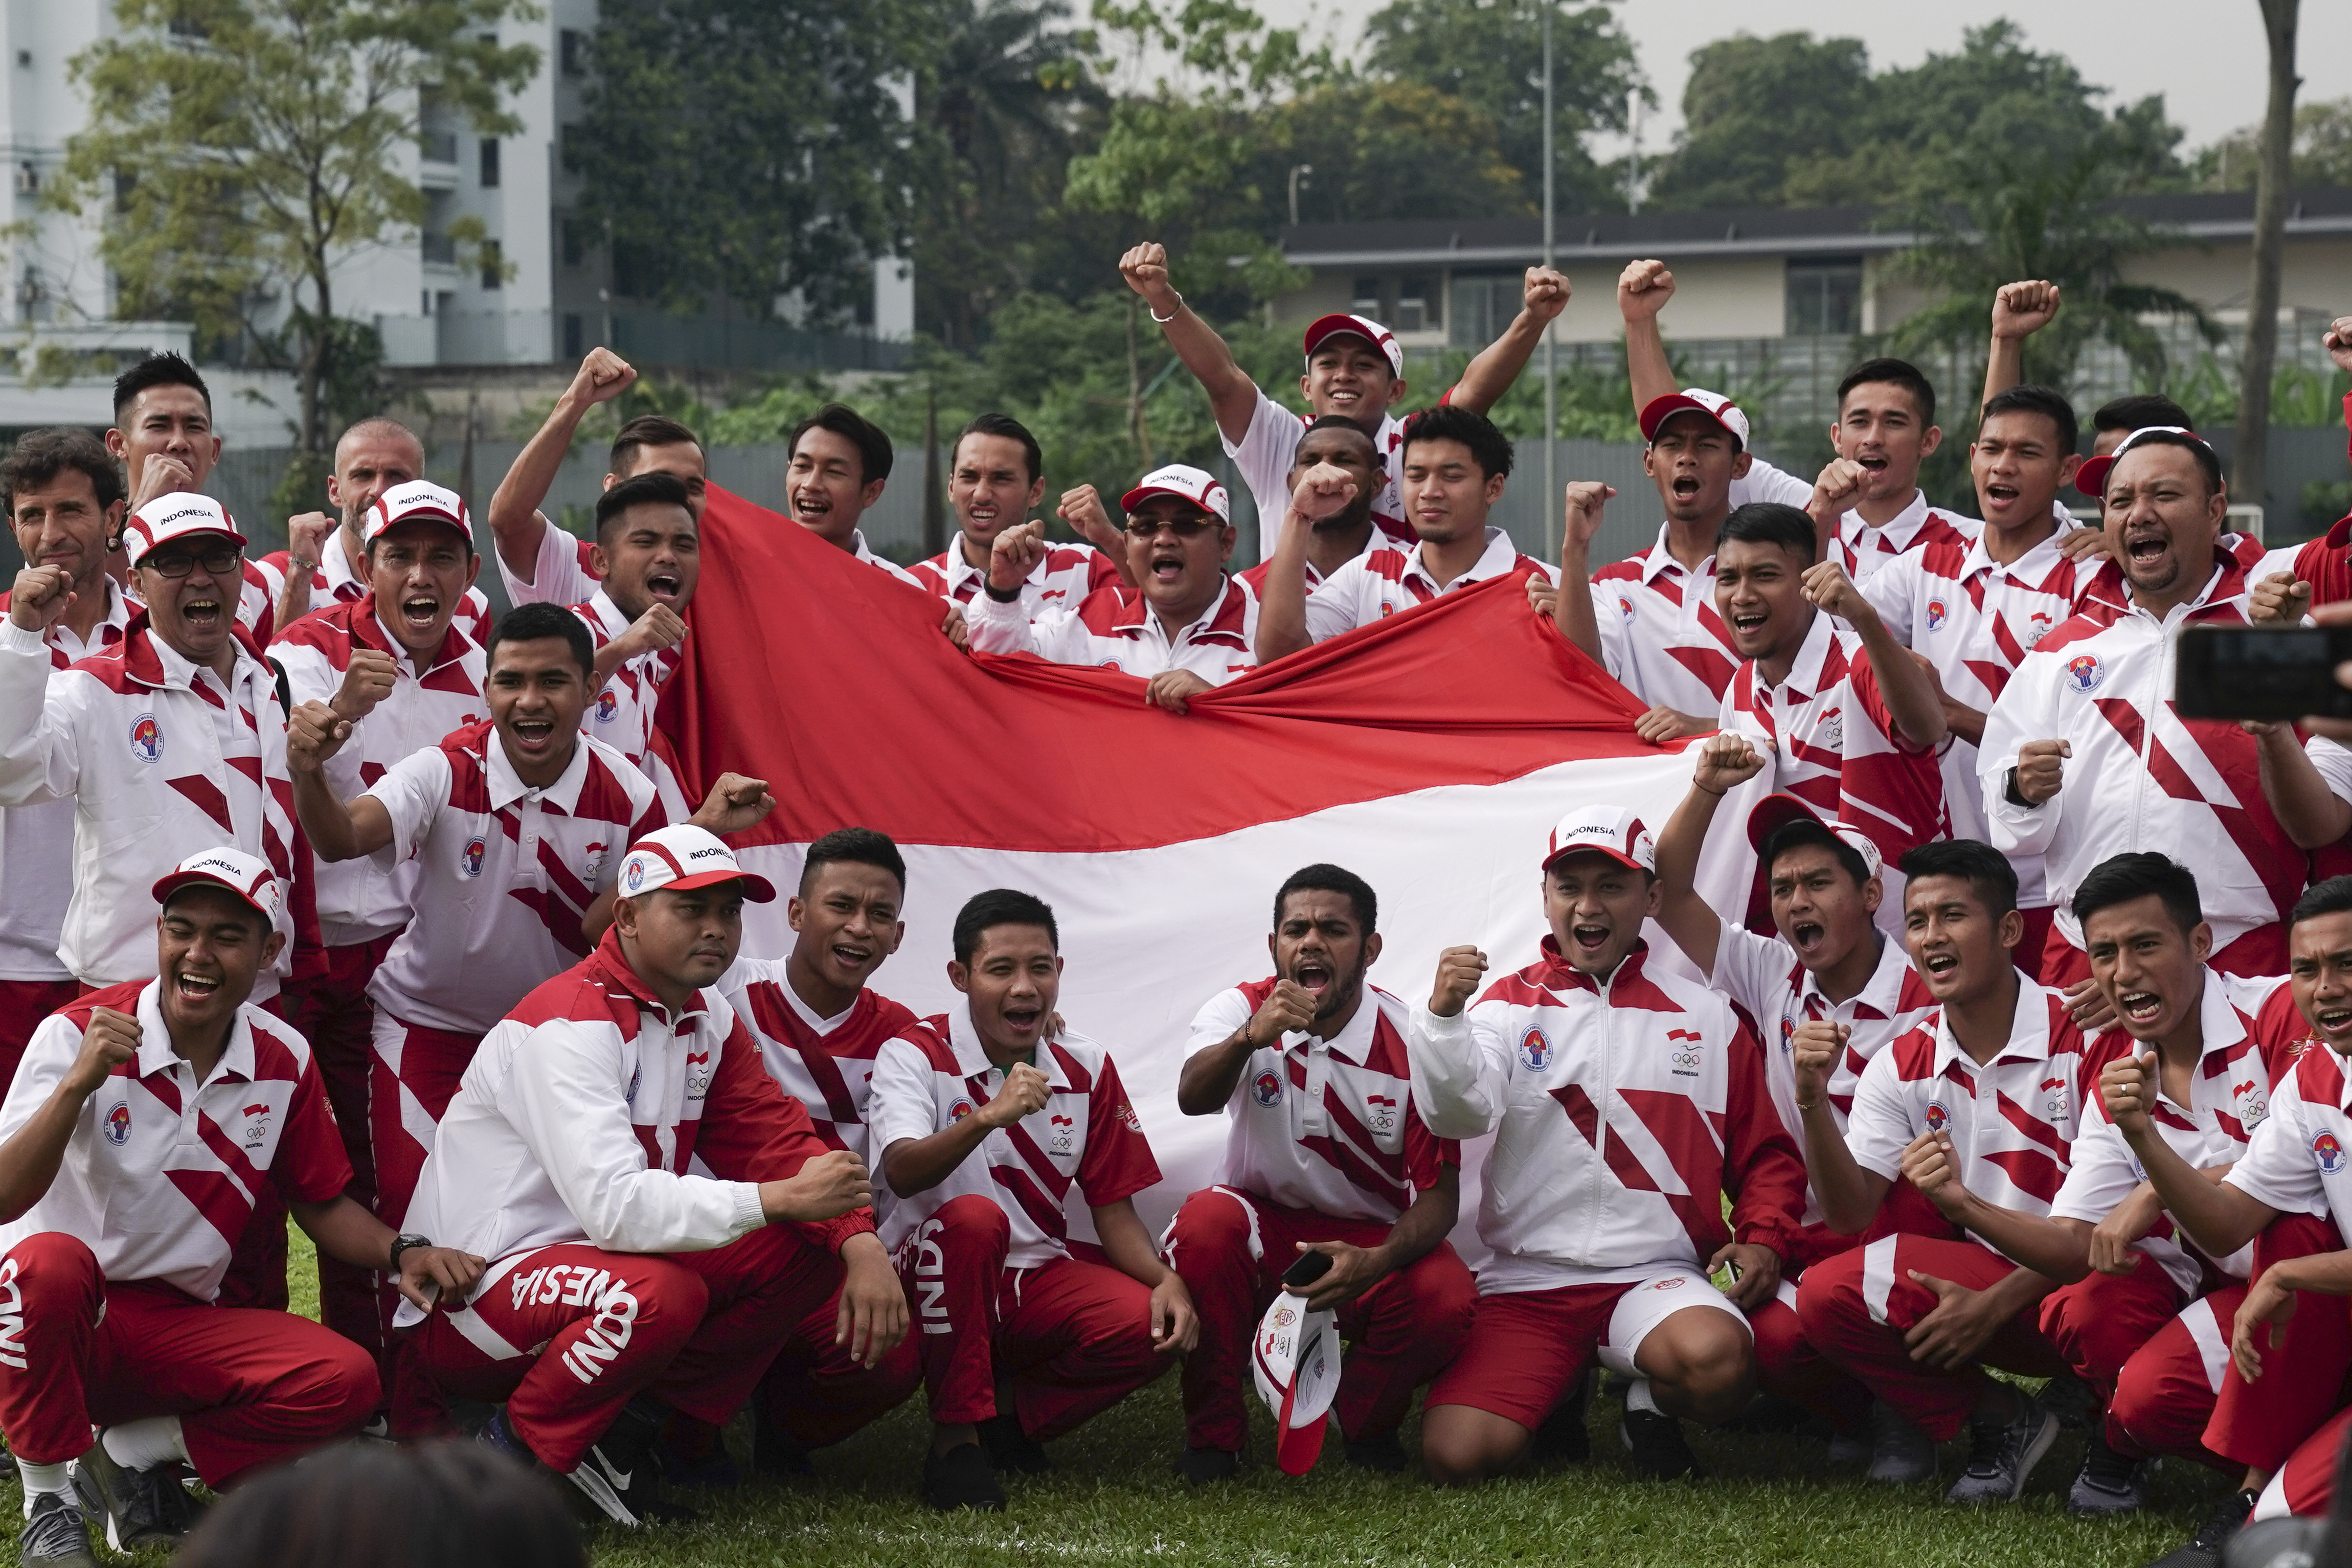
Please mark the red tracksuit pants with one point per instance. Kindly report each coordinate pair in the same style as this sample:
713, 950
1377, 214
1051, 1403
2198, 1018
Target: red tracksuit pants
2260, 1423
566, 1336
1232, 1248
251, 1387
24, 1005
1072, 1338
1855, 1307
334, 1014
2154, 1358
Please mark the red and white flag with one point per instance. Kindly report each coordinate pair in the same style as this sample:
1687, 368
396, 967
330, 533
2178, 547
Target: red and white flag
1432, 754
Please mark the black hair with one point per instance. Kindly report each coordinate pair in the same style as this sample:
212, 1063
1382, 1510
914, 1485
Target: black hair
852, 846
2137, 411
1339, 422
2047, 401
1770, 523
1800, 833
2139, 873
873, 443
653, 488
536, 622
1893, 372
2208, 462
1490, 447
1005, 427
983, 912
1984, 868
1325, 878
649, 430
163, 370
40, 455
2333, 896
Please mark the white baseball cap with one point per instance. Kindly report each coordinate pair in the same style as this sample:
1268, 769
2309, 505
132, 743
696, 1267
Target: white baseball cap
248, 876
683, 857
1363, 327
1613, 830
1295, 1359
182, 515
1697, 400
2091, 478
1186, 484
418, 500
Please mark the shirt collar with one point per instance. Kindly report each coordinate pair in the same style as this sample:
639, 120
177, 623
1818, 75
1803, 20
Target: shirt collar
607, 613
336, 567
1896, 533
2029, 1033
2035, 563
506, 786
1495, 560
1222, 621
613, 968
1353, 1044
1661, 558
156, 1055
2217, 1021
1882, 994
1803, 681
807, 1014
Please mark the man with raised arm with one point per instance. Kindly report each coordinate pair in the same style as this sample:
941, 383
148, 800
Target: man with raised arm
1327, 1153
986, 1117
996, 472
1355, 369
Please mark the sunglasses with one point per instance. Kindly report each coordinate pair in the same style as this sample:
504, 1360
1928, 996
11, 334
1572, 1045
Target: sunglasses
217, 562
1182, 528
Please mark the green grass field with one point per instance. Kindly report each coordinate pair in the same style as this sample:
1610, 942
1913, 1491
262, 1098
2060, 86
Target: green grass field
1112, 1499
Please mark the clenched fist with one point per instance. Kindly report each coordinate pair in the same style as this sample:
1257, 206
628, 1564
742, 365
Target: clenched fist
2042, 769
1322, 491
111, 1039
1815, 1048
1581, 515
1836, 488
1459, 970
659, 628
367, 681
1726, 761
1545, 293
2278, 600
1289, 1005
314, 732
1024, 1093
2128, 1088
1014, 555
2021, 309
603, 376
827, 1187
39, 597
1642, 289
1144, 267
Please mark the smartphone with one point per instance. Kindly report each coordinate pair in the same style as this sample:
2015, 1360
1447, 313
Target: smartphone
1310, 1267
2262, 672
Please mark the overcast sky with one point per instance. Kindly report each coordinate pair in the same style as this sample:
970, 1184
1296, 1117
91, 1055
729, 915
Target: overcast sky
2206, 56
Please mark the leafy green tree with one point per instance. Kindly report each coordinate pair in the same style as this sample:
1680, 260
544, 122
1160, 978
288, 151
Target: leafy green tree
1380, 150
1488, 54
2322, 154
1755, 110
240, 148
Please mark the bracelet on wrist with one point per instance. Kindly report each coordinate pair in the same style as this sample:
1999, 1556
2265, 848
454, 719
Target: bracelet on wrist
1156, 316
1001, 595
296, 560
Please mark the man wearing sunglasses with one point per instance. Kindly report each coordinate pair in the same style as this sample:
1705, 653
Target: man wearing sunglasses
1190, 627
168, 742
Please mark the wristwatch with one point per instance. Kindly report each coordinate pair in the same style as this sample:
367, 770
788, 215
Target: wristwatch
403, 1242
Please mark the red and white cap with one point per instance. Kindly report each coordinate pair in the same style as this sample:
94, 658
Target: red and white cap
682, 857
1294, 1360
1695, 400
2091, 478
248, 876
1186, 484
419, 500
182, 515
1769, 816
1363, 327
1613, 830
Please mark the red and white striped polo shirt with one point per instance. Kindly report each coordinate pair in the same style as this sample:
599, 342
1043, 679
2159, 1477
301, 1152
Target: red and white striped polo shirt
1119, 634
1763, 974
1621, 1113
2012, 1120
622, 717
504, 871
359, 902
559, 573
2252, 1033
160, 1172
1087, 1137
1063, 575
1865, 551
1383, 581
1833, 744
333, 582
1326, 1125
2299, 1161
827, 1064
1660, 635
2140, 777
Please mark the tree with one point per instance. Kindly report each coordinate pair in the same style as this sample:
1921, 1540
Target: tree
2249, 457
1381, 150
243, 147
2323, 150
1755, 110
1488, 54
750, 151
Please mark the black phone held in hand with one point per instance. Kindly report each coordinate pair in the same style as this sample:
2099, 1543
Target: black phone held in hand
1310, 1267
2267, 674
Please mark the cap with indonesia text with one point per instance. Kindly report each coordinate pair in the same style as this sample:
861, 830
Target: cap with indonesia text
1717, 407
1611, 829
1363, 327
1186, 484
2091, 478
419, 500
683, 857
249, 877
1295, 1361
182, 515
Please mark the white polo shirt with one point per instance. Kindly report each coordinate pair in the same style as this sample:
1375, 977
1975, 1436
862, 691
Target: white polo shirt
2299, 1161
825, 1063
622, 717
1270, 445
1377, 584
1662, 638
1118, 633
1772, 986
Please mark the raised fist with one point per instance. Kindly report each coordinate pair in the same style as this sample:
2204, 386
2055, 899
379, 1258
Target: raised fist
2021, 309
1144, 267
1642, 289
1459, 970
603, 376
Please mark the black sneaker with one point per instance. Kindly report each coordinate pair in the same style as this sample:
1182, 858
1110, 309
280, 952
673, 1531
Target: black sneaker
55, 1535
143, 1507
1199, 1467
962, 1477
1011, 1448
2070, 1399
2108, 1482
2204, 1549
1381, 1453
1771, 1415
775, 1457
693, 1454
1655, 1445
592, 1494
628, 1456
1564, 1438
2002, 1453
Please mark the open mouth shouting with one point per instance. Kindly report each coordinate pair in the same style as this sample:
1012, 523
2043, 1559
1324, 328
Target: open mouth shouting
1314, 974
1591, 937
202, 612
2146, 546
1751, 626
1167, 564
851, 957
1874, 463
1999, 495
1806, 935
665, 584
810, 504
194, 988
1685, 487
419, 610
2334, 1021
1024, 1018
1942, 965
533, 735
2140, 1010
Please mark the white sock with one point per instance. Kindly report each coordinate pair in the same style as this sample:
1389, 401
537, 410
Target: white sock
1638, 1396
144, 1444
39, 1478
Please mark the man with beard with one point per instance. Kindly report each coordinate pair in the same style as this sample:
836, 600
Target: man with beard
1327, 1154
2083, 755
995, 474
1456, 466
322, 557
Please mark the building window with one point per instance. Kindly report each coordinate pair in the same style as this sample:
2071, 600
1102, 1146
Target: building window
1825, 297
575, 242
1419, 306
567, 148
574, 337
490, 163
494, 265
1364, 298
1483, 307
572, 50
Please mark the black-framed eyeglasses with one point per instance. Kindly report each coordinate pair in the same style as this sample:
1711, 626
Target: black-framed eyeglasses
1182, 528
220, 562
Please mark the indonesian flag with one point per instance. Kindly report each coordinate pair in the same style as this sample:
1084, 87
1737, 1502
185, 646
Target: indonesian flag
1431, 753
